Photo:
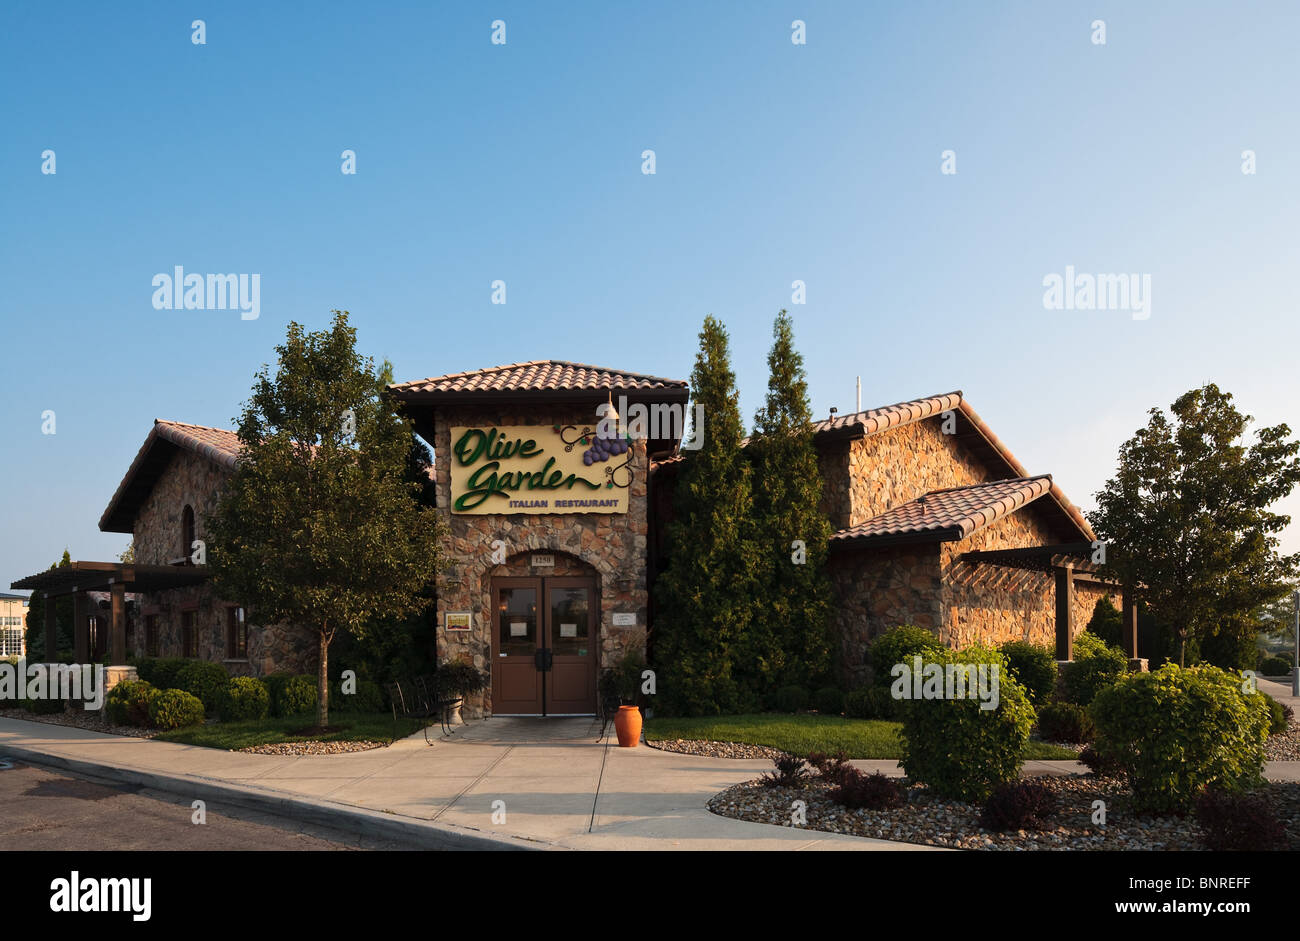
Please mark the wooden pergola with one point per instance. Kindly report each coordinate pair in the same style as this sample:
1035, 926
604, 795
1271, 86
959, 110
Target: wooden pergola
116, 578
1067, 562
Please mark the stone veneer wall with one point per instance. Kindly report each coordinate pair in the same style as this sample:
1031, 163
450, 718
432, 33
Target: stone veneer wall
879, 589
197, 482
613, 547
901, 464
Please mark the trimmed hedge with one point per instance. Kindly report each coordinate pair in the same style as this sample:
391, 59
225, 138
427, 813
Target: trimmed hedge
899, 646
791, 699
368, 697
296, 696
1082, 679
175, 709
1034, 665
205, 680
1065, 722
959, 749
160, 671
1279, 716
244, 698
128, 702
1176, 731
829, 701
1275, 666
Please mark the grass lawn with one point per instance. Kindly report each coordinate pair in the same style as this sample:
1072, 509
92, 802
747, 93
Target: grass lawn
802, 734
355, 726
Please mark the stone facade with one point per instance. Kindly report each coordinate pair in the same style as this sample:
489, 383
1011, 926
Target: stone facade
194, 481
610, 547
926, 584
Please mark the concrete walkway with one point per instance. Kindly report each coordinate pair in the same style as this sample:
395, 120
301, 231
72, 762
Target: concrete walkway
557, 786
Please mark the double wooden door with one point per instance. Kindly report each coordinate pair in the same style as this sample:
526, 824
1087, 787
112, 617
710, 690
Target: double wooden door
544, 633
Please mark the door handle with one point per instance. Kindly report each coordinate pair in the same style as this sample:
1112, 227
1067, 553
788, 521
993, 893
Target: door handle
542, 658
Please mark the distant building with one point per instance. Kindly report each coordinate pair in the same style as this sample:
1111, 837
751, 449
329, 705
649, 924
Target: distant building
13, 611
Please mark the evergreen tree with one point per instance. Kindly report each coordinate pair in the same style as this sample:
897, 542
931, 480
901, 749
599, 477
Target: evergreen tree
704, 600
35, 639
790, 640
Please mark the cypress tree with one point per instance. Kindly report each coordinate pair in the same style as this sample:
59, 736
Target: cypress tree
704, 600
35, 637
792, 629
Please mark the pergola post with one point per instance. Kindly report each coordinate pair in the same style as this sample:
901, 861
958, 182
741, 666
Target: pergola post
1130, 615
1064, 612
80, 627
118, 630
51, 629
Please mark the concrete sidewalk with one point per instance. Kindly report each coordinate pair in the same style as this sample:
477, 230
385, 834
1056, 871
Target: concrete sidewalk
559, 787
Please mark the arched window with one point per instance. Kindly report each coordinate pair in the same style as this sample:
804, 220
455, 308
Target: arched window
187, 533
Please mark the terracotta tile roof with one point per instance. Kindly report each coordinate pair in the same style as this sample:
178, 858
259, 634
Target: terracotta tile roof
218, 445
543, 375
952, 514
875, 420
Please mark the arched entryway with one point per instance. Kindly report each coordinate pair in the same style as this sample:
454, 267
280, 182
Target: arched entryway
545, 639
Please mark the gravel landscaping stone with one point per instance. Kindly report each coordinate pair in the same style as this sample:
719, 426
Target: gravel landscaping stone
933, 821
309, 748
713, 749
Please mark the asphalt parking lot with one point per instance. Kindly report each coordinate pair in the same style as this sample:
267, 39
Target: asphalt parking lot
48, 810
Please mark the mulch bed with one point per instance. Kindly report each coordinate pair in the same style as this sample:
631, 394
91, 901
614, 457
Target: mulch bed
81, 719
934, 821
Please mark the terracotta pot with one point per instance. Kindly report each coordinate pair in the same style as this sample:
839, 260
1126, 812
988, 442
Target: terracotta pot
627, 723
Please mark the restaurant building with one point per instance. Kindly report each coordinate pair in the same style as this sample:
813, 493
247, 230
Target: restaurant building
555, 533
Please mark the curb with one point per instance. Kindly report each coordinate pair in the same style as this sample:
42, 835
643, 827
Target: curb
421, 834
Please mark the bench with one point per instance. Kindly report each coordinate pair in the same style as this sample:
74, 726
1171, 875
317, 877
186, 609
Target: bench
420, 698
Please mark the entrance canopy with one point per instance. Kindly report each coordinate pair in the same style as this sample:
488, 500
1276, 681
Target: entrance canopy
117, 578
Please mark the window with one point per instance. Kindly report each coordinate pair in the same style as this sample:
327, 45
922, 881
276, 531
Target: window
11, 642
236, 635
151, 635
187, 533
189, 643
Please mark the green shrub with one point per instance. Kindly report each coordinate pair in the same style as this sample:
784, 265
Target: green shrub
1175, 731
128, 702
791, 699
857, 704
160, 671
205, 680
245, 698
959, 749
297, 696
1082, 680
368, 697
1279, 716
1275, 666
175, 709
829, 701
899, 646
1034, 666
1065, 722
44, 707
1088, 644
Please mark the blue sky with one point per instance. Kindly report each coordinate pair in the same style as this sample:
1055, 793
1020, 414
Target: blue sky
522, 162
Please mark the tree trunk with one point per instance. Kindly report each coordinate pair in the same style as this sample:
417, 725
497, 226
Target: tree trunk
322, 683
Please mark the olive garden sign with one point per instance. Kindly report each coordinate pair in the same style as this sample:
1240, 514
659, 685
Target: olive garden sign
538, 469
